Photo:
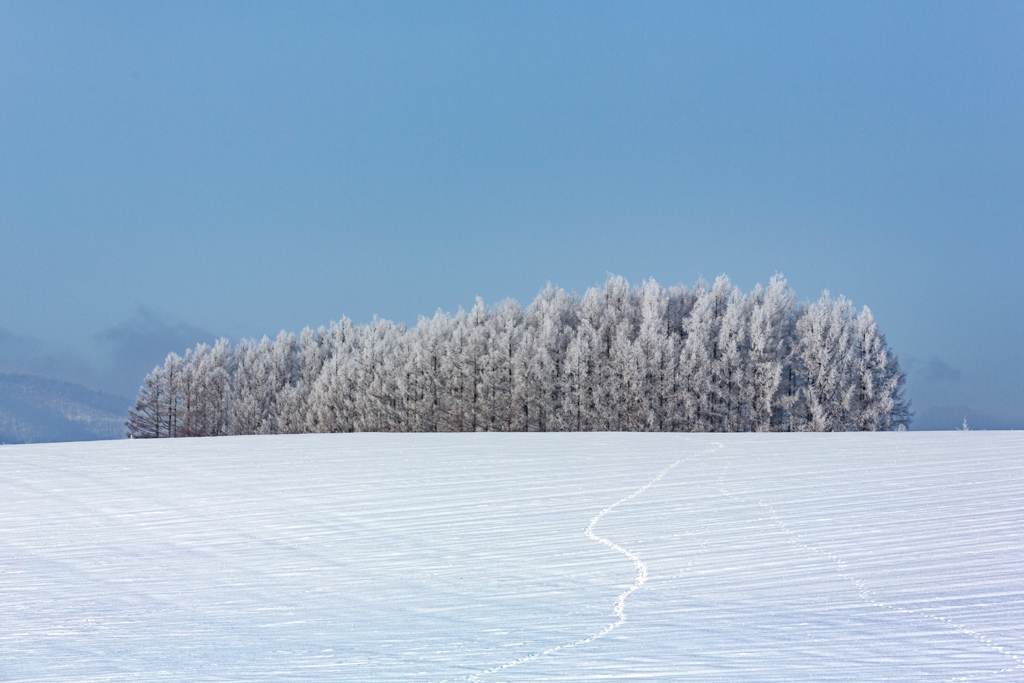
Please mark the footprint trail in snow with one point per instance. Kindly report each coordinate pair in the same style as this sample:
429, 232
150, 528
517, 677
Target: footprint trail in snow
619, 610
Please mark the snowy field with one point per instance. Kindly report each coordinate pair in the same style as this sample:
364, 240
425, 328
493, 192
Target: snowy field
515, 557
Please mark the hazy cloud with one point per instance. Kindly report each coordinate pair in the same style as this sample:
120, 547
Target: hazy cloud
932, 370
130, 350
21, 354
937, 370
139, 343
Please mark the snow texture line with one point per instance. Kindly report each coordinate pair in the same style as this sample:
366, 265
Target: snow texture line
619, 609
870, 597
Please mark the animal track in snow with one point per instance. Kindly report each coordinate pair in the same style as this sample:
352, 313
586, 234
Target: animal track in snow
870, 597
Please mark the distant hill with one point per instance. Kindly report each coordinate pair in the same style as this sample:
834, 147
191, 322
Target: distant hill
37, 409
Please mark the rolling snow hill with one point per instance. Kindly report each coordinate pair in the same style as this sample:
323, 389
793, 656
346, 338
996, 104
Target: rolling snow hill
515, 557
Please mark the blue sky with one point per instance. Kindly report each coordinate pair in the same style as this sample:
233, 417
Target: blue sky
171, 172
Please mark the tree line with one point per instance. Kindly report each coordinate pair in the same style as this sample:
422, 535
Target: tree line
619, 358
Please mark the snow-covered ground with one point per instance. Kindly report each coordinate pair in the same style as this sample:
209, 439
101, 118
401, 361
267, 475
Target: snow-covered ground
515, 557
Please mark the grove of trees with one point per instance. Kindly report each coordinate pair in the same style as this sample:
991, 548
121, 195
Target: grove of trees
619, 358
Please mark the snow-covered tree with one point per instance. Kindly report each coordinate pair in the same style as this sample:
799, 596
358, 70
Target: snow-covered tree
262, 372
771, 334
205, 388
730, 369
499, 367
147, 420
828, 363
880, 404
330, 405
578, 388
700, 358
656, 351
617, 358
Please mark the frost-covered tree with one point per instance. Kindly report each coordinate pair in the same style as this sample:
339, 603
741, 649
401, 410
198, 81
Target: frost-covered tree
656, 354
578, 381
262, 372
825, 337
431, 386
730, 368
879, 401
498, 376
700, 362
205, 388
293, 404
618, 358
477, 340
330, 405
770, 361
148, 419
